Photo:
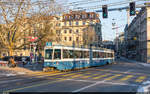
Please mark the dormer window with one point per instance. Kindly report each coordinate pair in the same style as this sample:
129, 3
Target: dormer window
76, 16
83, 16
66, 17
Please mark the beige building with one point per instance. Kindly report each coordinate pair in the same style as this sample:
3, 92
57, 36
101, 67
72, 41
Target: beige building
137, 37
80, 28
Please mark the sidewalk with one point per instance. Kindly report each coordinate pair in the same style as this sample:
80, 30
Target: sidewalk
21, 70
133, 61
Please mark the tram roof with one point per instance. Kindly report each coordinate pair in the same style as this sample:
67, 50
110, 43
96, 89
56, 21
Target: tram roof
77, 48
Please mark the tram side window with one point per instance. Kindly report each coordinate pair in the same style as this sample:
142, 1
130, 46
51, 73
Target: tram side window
86, 54
100, 55
67, 53
103, 54
77, 54
110, 54
82, 54
57, 54
95, 54
48, 53
106, 55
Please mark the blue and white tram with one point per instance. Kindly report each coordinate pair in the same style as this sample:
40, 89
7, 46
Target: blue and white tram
69, 58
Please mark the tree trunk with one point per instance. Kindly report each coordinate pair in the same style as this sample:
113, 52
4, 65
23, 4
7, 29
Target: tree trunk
10, 51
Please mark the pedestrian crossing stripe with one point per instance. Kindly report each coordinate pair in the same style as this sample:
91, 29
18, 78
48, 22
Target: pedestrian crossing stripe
112, 77
69, 74
140, 79
95, 74
101, 76
76, 76
42, 73
85, 76
50, 75
88, 73
79, 72
126, 77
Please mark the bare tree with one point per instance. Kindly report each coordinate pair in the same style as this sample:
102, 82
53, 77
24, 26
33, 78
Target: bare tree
22, 19
14, 13
89, 35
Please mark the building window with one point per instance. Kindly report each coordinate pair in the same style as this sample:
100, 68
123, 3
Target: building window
70, 38
65, 31
65, 23
77, 23
77, 38
77, 31
83, 16
66, 17
70, 23
76, 16
70, 17
59, 24
83, 23
70, 31
65, 38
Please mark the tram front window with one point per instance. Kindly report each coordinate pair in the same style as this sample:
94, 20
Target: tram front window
48, 53
57, 54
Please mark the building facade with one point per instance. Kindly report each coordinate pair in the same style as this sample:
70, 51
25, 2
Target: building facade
80, 28
137, 37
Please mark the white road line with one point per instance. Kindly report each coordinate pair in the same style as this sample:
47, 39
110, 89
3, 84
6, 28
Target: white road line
2, 82
144, 87
78, 90
10, 74
82, 80
99, 82
128, 71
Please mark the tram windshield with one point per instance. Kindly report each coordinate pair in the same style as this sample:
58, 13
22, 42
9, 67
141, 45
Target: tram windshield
48, 53
57, 54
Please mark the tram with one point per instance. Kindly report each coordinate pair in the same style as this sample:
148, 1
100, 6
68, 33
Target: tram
64, 58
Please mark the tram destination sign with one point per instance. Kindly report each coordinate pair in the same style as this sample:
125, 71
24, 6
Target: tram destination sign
48, 43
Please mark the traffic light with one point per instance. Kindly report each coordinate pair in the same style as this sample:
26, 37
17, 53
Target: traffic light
132, 8
105, 11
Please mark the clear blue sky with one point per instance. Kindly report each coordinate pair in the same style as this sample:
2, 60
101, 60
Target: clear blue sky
119, 16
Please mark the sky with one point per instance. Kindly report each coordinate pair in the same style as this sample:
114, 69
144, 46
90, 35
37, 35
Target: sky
120, 17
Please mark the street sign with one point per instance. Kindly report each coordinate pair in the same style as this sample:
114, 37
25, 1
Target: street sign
32, 39
31, 55
48, 43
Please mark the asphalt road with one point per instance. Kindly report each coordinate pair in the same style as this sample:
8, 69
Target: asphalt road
123, 76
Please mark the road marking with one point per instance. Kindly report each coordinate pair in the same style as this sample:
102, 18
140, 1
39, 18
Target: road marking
99, 82
36, 85
88, 73
76, 76
95, 74
2, 82
78, 90
42, 73
49, 75
140, 79
112, 77
11, 74
127, 72
85, 77
69, 74
100, 76
126, 78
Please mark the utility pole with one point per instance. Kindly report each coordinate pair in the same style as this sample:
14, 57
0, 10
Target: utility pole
115, 27
128, 22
